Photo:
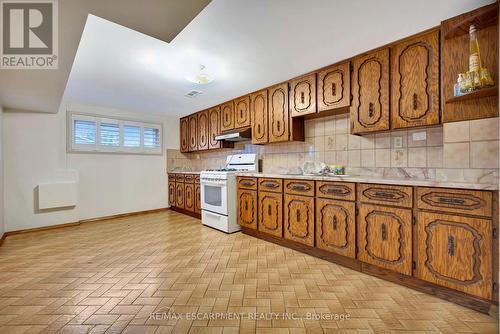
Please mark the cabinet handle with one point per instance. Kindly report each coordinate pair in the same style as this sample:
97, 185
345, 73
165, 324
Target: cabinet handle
334, 222
270, 185
297, 214
333, 191
269, 210
447, 200
370, 109
241, 113
451, 245
384, 194
247, 183
258, 128
246, 206
299, 187
302, 97
278, 126
415, 101
383, 232
334, 89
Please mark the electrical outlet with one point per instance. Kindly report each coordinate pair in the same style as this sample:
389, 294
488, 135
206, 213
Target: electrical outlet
398, 142
418, 136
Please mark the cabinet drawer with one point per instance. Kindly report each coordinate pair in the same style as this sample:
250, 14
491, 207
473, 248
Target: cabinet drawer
273, 185
189, 178
470, 202
171, 177
179, 177
197, 178
386, 195
299, 187
247, 183
336, 190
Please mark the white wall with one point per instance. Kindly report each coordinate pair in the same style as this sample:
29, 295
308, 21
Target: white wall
2, 229
109, 184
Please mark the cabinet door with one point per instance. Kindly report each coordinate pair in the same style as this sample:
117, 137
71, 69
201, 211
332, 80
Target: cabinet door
213, 127
189, 202
193, 130
455, 252
179, 196
271, 213
334, 87
171, 193
227, 116
242, 112
415, 82
197, 198
202, 135
303, 95
335, 226
184, 134
299, 219
278, 113
370, 90
258, 108
247, 208
385, 237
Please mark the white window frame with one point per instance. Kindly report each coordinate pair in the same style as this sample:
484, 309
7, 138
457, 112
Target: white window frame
121, 122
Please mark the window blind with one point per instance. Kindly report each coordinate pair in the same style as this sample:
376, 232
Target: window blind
84, 132
131, 136
110, 134
151, 137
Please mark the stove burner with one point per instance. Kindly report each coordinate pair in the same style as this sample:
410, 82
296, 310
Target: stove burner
222, 170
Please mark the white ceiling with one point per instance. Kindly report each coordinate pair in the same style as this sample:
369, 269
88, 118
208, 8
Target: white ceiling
246, 45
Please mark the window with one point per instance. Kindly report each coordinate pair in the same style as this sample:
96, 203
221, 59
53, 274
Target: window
91, 133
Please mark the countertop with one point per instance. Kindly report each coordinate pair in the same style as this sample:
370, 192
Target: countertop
183, 172
378, 180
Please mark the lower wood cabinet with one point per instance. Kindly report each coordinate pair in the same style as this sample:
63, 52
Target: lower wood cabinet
270, 214
455, 252
247, 208
336, 226
299, 219
171, 193
179, 195
197, 198
189, 200
184, 193
385, 237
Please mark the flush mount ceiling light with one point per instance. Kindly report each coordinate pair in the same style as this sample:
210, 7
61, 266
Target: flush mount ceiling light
201, 77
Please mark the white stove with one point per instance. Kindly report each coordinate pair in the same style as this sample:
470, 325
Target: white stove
218, 192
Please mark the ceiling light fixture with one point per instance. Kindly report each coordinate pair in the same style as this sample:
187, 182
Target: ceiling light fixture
202, 77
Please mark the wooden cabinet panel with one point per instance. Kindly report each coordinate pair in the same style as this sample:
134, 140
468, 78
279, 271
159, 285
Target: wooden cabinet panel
202, 134
455, 252
249, 183
184, 134
299, 187
370, 90
227, 116
171, 193
247, 208
179, 196
303, 95
271, 213
386, 194
189, 201
415, 82
193, 130
385, 237
197, 198
278, 114
470, 202
336, 190
272, 185
213, 127
179, 178
335, 226
189, 178
242, 112
299, 219
258, 110
334, 87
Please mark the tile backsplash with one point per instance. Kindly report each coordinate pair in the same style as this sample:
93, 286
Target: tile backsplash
463, 151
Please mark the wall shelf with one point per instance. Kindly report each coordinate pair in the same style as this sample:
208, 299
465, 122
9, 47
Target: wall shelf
485, 17
485, 92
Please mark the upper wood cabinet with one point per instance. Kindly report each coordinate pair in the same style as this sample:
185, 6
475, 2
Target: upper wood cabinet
227, 116
334, 87
370, 90
303, 95
242, 116
203, 130
278, 113
184, 134
415, 82
213, 127
258, 110
193, 130
299, 219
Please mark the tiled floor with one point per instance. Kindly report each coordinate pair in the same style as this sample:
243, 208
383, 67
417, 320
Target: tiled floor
110, 277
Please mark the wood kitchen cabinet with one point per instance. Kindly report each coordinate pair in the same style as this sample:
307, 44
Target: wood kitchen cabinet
197, 198
336, 226
184, 134
189, 197
370, 90
214, 130
385, 237
179, 195
247, 208
193, 130
303, 95
171, 191
334, 87
258, 110
202, 130
299, 219
415, 81
270, 213
455, 252
184, 193
227, 116
281, 126
242, 116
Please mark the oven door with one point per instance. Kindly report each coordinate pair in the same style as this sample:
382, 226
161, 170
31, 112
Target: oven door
214, 196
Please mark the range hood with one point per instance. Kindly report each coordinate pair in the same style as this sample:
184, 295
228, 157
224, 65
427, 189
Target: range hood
236, 135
